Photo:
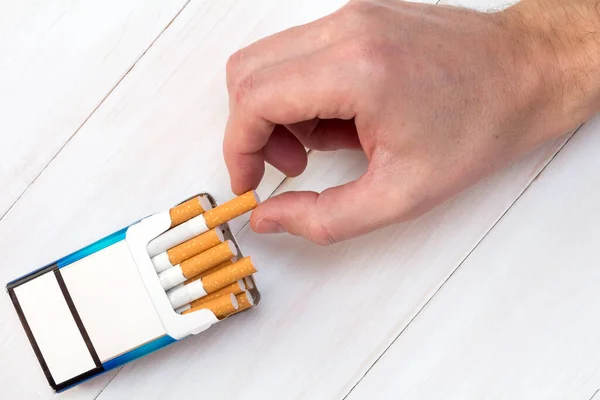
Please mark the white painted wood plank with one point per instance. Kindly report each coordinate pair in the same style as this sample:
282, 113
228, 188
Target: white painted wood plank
520, 319
58, 60
156, 140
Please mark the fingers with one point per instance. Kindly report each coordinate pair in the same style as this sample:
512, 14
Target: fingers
245, 161
331, 134
282, 94
334, 215
285, 152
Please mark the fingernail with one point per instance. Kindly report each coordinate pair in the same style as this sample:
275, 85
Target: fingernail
267, 226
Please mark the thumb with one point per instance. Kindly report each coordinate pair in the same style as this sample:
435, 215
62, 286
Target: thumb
336, 214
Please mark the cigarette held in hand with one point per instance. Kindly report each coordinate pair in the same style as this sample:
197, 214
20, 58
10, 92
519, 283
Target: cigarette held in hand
202, 223
231, 209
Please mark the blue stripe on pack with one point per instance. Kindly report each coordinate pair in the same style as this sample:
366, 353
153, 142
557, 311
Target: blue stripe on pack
139, 352
92, 248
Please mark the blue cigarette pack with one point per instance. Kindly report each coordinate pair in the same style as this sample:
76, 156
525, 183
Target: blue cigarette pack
104, 305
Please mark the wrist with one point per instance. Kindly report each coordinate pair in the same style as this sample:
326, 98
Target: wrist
563, 37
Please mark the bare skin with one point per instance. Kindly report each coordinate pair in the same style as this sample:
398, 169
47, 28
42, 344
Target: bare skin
437, 98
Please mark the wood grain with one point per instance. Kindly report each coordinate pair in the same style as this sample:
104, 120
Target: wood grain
520, 319
58, 60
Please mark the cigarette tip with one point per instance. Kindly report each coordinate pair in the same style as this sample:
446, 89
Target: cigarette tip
256, 197
249, 297
205, 203
234, 301
219, 234
232, 247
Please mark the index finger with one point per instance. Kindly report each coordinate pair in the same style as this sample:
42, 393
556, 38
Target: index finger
316, 86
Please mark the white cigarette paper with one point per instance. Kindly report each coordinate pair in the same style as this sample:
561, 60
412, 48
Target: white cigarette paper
177, 235
171, 277
185, 294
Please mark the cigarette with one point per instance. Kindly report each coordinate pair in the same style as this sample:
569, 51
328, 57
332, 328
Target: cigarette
202, 223
210, 271
245, 301
202, 262
231, 209
187, 250
235, 288
228, 275
189, 209
195, 294
248, 282
221, 306
177, 235
184, 294
218, 267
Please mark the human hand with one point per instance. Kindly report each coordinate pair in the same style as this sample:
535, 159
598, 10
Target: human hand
437, 98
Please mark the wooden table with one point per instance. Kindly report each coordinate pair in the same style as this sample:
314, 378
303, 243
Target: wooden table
113, 110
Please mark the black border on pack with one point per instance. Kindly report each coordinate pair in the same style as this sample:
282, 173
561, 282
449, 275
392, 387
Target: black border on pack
31, 275
78, 379
31, 338
36, 349
76, 317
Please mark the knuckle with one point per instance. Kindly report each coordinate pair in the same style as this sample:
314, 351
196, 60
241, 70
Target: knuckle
370, 55
360, 6
232, 67
243, 89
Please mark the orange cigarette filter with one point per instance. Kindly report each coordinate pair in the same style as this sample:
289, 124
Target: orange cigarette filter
221, 306
218, 267
235, 288
188, 210
208, 259
228, 275
195, 246
231, 209
210, 271
245, 301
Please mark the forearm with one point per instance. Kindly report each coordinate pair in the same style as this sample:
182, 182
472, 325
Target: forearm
565, 36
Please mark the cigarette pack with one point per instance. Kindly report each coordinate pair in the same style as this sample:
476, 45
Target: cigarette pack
104, 306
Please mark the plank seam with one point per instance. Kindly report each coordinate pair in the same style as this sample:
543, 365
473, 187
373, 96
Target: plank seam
137, 60
107, 383
461, 263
